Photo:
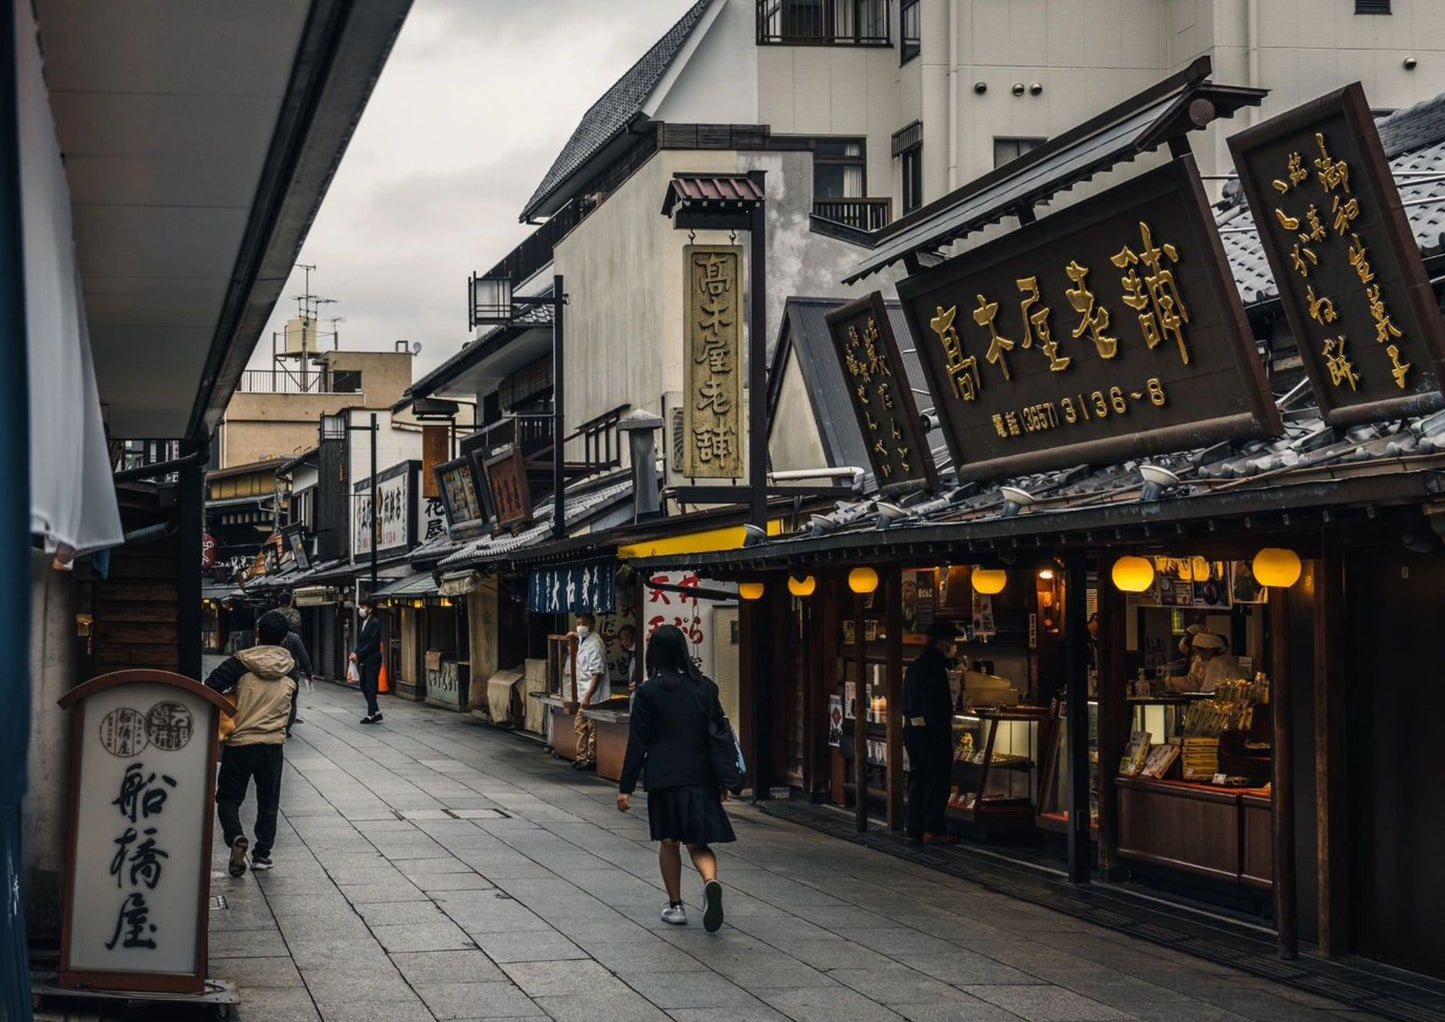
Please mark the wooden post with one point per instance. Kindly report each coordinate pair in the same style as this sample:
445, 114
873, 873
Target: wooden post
1331, 809
1114, 723
825, 676
860, 718
1076, 678
1286, 886
893, 693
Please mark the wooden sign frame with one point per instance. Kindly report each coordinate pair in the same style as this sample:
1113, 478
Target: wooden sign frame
166, 982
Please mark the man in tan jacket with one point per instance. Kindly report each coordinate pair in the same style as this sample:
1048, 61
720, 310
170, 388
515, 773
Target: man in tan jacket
264, 692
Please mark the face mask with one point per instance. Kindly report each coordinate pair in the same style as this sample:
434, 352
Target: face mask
365, 613
583, 631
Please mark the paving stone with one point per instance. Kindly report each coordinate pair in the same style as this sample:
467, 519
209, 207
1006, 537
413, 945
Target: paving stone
528, 946
541, 979
585, 1008
1041, 1003
459, 1000
443, 936
274, 1004
827, 1004
257, 973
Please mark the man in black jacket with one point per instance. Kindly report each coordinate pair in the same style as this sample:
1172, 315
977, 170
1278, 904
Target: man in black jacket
928, 736
367, 658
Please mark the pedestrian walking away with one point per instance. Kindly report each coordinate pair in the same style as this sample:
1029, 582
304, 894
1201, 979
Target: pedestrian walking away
367, 657
675, 716
593, 688
928, 736
293, 625
264, 690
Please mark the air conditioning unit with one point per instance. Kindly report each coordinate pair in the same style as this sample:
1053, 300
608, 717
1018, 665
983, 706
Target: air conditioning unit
674, 439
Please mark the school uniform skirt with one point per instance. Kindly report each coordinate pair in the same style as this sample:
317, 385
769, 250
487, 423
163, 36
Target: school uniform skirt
691, 814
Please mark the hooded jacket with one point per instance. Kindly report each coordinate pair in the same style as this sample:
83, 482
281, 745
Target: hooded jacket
260, 678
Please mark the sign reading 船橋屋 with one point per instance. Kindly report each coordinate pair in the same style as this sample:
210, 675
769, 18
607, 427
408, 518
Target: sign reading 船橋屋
1345, 260
142, 801
880, 395
713, 369
1109, 330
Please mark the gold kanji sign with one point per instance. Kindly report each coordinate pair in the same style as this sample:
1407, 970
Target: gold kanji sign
1345, 259
713, 417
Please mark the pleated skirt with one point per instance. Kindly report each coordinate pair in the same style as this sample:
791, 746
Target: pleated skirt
691, 814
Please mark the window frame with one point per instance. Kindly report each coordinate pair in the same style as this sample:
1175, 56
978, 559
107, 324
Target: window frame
1372, 7
909, 49
861, 160
1017, 140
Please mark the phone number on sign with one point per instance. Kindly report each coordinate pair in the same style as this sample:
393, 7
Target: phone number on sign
1077, 408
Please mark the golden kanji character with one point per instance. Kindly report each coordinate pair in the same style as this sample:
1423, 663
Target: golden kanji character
885, 397
1096, 317
897, 433
1168, 313
877, 362
1385, 327
1297, 173
872, 426
1344, 213
1359, 257
1322, 309
1011, 419
997, 345
1401, 369
1289, 223
1037, 322
1333, 173
1341, 371
887, 470
962, 372
1317, 230
999, 427
857, 367
902, 451
1298, 258
862, 393
880, 448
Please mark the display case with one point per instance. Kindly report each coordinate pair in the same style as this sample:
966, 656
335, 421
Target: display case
1054, 794
995, 766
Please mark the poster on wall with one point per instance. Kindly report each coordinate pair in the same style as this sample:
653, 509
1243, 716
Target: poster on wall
835, 720
982, 617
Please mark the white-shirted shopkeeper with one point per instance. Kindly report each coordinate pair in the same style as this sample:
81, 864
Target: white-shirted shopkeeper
1212, 665
592, 688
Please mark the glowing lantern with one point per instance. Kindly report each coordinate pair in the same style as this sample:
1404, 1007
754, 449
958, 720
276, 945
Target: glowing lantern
1133, 574
1276, 567
802, 586
989, 581
750, 590
862, 580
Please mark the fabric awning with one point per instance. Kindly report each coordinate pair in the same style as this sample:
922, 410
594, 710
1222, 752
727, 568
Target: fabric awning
72, 495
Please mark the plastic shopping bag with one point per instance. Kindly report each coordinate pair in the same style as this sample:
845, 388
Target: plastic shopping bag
353, 676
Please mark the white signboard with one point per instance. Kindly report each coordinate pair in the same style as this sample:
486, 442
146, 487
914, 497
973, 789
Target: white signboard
662, 607
393, 497
143, 797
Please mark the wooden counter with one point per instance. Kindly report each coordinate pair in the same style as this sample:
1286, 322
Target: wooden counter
1220, 833
613, 725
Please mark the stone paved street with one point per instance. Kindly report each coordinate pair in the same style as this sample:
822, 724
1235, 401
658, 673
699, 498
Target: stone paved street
433, 868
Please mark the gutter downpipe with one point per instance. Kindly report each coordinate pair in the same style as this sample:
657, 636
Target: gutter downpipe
1252, 42
953, 94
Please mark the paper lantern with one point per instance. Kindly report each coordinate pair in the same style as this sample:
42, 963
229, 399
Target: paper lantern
862, 580
802, 586
1132, 574
750, 590
1276, 567
989, 581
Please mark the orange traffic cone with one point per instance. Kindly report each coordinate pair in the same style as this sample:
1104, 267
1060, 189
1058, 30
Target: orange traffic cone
383, 683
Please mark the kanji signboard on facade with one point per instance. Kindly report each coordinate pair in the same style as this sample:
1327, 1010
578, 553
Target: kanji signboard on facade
393, 526
1344, 258
141, 804
1111, 329
570, 589
880, 395
713, 400
459, 493
507, 481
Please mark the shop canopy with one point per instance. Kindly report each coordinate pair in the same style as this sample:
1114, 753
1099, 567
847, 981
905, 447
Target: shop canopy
422, 584
1160, 115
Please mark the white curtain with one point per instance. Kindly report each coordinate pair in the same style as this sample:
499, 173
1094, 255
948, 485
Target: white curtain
72, 494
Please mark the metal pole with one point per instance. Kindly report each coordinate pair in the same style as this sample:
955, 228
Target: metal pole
15, 563
559, 420
1076, 668
757, 361
375, 517
1286, 877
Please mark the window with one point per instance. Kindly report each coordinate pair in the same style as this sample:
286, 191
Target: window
1006, 150
908, 147
825, 22
1372, 6
910, 19
839, 169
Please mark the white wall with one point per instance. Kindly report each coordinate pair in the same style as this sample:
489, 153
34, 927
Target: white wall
794, 441
720, 82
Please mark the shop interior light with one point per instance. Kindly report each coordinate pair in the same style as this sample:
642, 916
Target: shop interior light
1132, 574
418, 604
750, 590
1276, 567
446, 601
804, 586
1046, 574
862, 580
989, 581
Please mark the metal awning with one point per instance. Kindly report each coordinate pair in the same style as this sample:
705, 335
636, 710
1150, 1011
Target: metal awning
712, 200
1166, 111
459, 583
316, 596
420, 584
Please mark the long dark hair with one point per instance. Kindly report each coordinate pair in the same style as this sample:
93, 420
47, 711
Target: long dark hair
667, 653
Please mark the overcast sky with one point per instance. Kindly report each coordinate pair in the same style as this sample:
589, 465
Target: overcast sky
474, 104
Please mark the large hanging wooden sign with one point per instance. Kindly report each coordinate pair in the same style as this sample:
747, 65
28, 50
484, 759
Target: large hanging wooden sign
1109, 330
713, 412
1345, 260
880, 396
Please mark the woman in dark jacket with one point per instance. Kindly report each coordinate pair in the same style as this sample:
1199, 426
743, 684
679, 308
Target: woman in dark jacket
672, 715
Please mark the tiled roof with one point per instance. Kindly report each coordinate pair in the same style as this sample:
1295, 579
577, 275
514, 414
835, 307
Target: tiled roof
1414, 140
706, 189
578, 506
619, 105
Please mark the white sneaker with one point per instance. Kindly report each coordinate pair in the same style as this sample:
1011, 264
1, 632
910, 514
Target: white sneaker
675, 914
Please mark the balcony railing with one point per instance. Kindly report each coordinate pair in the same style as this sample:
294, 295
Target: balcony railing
535, 251
860, 214
287, 381
824, 22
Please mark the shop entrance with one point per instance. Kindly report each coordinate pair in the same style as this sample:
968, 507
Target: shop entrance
1394, 691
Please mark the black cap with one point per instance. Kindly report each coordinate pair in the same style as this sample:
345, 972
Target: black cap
941, 630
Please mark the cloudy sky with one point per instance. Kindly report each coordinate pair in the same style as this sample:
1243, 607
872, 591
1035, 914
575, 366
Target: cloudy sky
474, 104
